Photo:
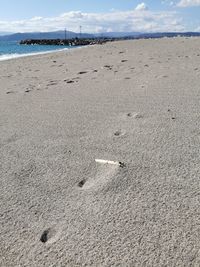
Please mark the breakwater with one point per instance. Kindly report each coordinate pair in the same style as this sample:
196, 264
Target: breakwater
68, 42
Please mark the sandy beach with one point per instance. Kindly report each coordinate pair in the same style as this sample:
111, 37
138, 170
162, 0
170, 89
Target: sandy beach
136, 102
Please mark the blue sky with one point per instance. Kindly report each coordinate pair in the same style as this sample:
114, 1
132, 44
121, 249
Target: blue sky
99, 15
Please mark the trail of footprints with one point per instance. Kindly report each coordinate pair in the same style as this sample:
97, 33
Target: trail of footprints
52, 83
75, 80
105, 172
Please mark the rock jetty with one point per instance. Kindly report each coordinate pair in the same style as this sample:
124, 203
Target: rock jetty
68, 42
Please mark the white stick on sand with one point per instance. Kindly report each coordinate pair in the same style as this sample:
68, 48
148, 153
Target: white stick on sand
103, 161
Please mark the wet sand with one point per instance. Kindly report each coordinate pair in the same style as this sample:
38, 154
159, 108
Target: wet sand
136, 102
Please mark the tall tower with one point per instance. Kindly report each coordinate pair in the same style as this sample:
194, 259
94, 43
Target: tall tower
65, 34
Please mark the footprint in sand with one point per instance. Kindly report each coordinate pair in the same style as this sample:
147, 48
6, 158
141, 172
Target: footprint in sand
51, 83
109, 67
73, 80
81, 183
134, 115
50, 235
10, 92
101, 175
69, 81
119, 133
82, 72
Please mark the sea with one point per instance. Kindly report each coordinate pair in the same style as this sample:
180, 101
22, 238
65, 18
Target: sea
9, 50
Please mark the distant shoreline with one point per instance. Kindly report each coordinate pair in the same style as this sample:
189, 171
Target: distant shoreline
7, 57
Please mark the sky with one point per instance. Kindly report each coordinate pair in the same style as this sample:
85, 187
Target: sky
96, 16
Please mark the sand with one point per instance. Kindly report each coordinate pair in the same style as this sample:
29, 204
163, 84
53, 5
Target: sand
136, 102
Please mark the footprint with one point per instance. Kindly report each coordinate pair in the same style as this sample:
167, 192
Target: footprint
44, 237
108, 67
81, 183
119, 133
10, 92
72, 80
134, 115
51, 83
50, 235
69, 81
82, 72
102, 175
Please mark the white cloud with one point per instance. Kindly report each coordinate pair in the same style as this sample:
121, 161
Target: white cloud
141, 19
197, 29
169, 3
188, 3
141, 7
36, 18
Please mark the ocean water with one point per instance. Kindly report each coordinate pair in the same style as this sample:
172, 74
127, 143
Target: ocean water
9, 50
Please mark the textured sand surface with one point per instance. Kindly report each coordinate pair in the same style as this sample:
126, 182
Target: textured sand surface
133, 101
